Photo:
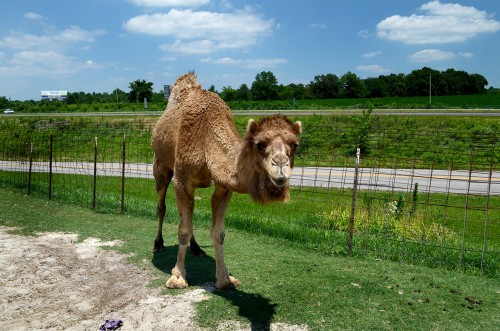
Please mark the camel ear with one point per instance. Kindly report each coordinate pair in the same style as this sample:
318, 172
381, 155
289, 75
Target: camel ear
297, 127
251, 126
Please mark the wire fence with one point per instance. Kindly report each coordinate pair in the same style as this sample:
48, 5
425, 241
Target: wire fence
421, 206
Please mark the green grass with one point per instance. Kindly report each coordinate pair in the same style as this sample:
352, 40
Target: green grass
427, 230
283, 282
438, 102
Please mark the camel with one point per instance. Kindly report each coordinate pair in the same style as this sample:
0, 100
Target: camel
195, 142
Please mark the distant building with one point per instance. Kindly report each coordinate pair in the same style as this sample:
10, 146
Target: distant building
51, 95
166, 91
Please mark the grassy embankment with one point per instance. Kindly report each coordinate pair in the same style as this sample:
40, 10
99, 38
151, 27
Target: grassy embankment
280, 282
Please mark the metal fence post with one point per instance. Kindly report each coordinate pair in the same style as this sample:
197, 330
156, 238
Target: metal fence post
95, 174
123, 173
466, 207
486, 216
30, 168
353, 205
50, 166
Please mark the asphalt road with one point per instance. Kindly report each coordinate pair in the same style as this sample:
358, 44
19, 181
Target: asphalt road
398, 180
296, 112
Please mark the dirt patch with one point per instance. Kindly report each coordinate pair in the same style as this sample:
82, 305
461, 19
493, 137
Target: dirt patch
51, 282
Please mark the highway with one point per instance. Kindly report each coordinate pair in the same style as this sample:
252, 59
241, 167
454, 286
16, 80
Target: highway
380, 179
291, 112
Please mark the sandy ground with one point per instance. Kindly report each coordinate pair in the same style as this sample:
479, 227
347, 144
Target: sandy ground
51, 282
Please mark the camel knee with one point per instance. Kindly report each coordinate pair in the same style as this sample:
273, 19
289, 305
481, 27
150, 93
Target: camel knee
161, 209
218, 237
184, 238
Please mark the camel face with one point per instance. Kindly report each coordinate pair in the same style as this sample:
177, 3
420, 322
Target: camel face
274, 142
275, 154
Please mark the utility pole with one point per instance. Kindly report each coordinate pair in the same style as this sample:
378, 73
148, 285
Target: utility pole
430, 89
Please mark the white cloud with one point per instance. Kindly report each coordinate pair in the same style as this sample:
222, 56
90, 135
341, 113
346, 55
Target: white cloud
190, 47
371, 54
169, 3
441, 23
46, 53
363, 34
318, 26
466, 55
33, 16
62, 39
40, 62
258, 63
168, 59
203, 32
373, 68
431, 55
75, 34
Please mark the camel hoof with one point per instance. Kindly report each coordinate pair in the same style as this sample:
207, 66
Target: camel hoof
228, 284
176, 282
158, 249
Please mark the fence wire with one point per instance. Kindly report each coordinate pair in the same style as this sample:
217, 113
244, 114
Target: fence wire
436, 203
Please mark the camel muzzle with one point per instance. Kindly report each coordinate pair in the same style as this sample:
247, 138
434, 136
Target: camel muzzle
280, 172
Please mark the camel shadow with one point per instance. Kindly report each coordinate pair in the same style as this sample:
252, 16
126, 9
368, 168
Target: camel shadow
201, 272
254, 307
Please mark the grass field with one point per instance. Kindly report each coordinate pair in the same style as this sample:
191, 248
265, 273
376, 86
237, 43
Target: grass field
425, 228
315, 219
282, 282
484, 101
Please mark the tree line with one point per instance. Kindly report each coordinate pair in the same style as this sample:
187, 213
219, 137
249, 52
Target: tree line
266, 87
349, 85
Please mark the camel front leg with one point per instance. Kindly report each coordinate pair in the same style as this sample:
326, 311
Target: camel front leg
185, 205
220, 200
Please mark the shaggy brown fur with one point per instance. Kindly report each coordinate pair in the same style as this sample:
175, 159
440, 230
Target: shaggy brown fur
196, 142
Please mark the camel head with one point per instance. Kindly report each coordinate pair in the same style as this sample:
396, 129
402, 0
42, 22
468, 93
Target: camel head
268, 151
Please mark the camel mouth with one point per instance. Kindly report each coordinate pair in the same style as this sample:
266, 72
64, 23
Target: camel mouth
279, 182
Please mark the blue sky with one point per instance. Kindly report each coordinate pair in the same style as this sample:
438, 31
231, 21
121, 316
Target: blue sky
98, 45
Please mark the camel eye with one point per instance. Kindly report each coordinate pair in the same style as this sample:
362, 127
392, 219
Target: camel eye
260, 147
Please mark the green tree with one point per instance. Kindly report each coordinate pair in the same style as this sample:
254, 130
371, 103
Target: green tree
4, 103
243, 93
376, 87
418, 82
396, 85
140, 89
228, 93
325, 86
265, 86
291, 91
352, 86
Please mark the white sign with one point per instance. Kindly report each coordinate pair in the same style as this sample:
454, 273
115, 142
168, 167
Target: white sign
54, 94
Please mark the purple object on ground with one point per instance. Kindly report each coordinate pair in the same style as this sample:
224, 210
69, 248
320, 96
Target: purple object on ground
111, 325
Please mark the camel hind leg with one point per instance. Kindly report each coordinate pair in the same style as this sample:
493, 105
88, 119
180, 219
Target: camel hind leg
162, 182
